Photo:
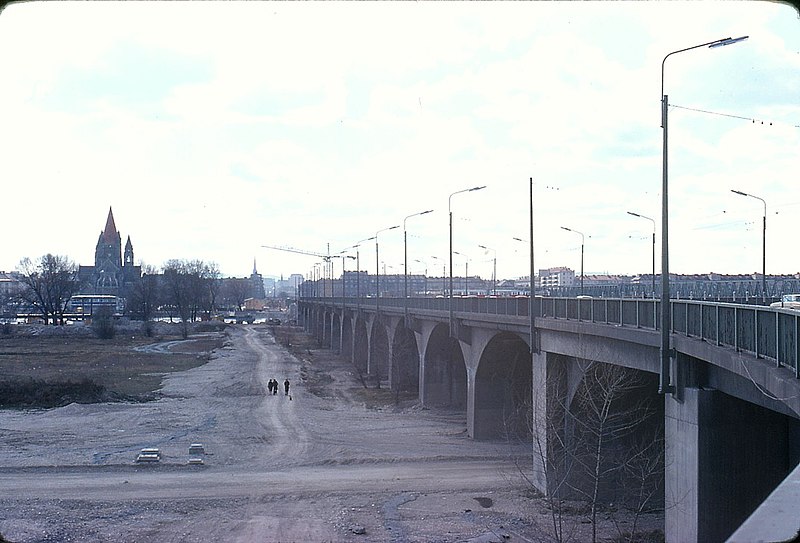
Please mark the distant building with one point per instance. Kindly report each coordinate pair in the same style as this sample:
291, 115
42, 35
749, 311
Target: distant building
257, 284
288, 288
10, 286
556, 277
114, 272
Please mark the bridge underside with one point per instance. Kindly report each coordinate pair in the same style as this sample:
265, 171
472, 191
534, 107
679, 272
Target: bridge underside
708, 454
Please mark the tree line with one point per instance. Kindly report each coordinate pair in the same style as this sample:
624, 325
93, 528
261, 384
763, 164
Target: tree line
188, 290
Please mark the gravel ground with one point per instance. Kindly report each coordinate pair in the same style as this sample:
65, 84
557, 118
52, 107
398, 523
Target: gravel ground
321, 467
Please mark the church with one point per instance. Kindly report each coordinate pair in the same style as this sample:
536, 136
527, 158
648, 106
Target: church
114, 272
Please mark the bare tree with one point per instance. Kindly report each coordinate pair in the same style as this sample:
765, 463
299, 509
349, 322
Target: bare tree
606, 411
235, 292
214, 285
189, 289
643, 484
49, 283
146, 297
178, 291
601, 445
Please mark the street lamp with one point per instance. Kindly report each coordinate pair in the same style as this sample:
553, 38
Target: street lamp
494, 268
664, 384
444, 273
378, 269
654, 246
466, 271
582, 242
763, 244
444, 270
450, 214
530, 244
425, 275
358, 270
405, 260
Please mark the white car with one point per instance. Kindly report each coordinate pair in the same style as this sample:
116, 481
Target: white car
788, 301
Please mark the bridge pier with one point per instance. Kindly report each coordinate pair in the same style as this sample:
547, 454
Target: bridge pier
723, 457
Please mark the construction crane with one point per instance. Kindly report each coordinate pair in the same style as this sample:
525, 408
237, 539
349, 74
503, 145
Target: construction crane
326, 258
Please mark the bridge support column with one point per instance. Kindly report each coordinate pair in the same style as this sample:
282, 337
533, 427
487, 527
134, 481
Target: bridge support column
723, 457
548, 397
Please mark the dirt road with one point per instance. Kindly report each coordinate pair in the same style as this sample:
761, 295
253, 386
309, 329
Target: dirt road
305, 467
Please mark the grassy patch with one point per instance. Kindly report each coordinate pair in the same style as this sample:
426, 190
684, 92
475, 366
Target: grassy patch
33, 393
51, 367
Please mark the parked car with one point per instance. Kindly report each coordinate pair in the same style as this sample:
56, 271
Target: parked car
788, 301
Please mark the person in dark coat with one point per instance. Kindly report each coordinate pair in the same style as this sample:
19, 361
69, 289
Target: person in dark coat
285, 387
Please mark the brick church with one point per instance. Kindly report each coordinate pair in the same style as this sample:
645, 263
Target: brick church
113, 272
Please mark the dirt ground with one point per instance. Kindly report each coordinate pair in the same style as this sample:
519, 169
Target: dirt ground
330, 462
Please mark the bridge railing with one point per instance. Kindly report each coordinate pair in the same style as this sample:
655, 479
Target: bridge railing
770, 333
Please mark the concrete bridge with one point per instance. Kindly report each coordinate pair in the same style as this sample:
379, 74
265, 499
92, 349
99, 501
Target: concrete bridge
726, 438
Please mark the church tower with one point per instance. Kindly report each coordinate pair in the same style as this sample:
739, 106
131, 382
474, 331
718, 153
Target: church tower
257, 284
128, 260
108, 255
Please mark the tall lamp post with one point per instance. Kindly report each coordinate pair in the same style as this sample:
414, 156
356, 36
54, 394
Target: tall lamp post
654, 246
494, 267
763, 244
444, 272
664, 385
425, 275
378, 269
582, 243
358, 270
450, 214
466, 272
405, 260
529, 243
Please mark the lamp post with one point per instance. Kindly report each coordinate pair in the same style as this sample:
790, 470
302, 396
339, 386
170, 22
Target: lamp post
425, 275
444, 274
343, 256
664, 384
405, 260
582, 243
530, 244
654, 246
466, 271
763, 244
494, 267
378, 269
444, 271
358, 270
450, 214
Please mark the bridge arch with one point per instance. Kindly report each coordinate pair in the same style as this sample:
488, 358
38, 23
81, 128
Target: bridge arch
336, 331
405, 364
503, 385
445, 380
360, 344
378, 351
347, 336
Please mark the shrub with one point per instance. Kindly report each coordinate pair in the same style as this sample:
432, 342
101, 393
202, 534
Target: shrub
103, 323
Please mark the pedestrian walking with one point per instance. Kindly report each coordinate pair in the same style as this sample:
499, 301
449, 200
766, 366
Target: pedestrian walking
286, 387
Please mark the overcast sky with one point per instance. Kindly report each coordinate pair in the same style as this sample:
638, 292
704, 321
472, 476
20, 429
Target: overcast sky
213, 129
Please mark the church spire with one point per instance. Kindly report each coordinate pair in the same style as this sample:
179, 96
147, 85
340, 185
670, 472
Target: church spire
128, 257
110, 231
255, 271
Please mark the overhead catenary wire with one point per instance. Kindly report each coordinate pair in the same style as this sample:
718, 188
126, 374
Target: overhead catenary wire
753, 120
